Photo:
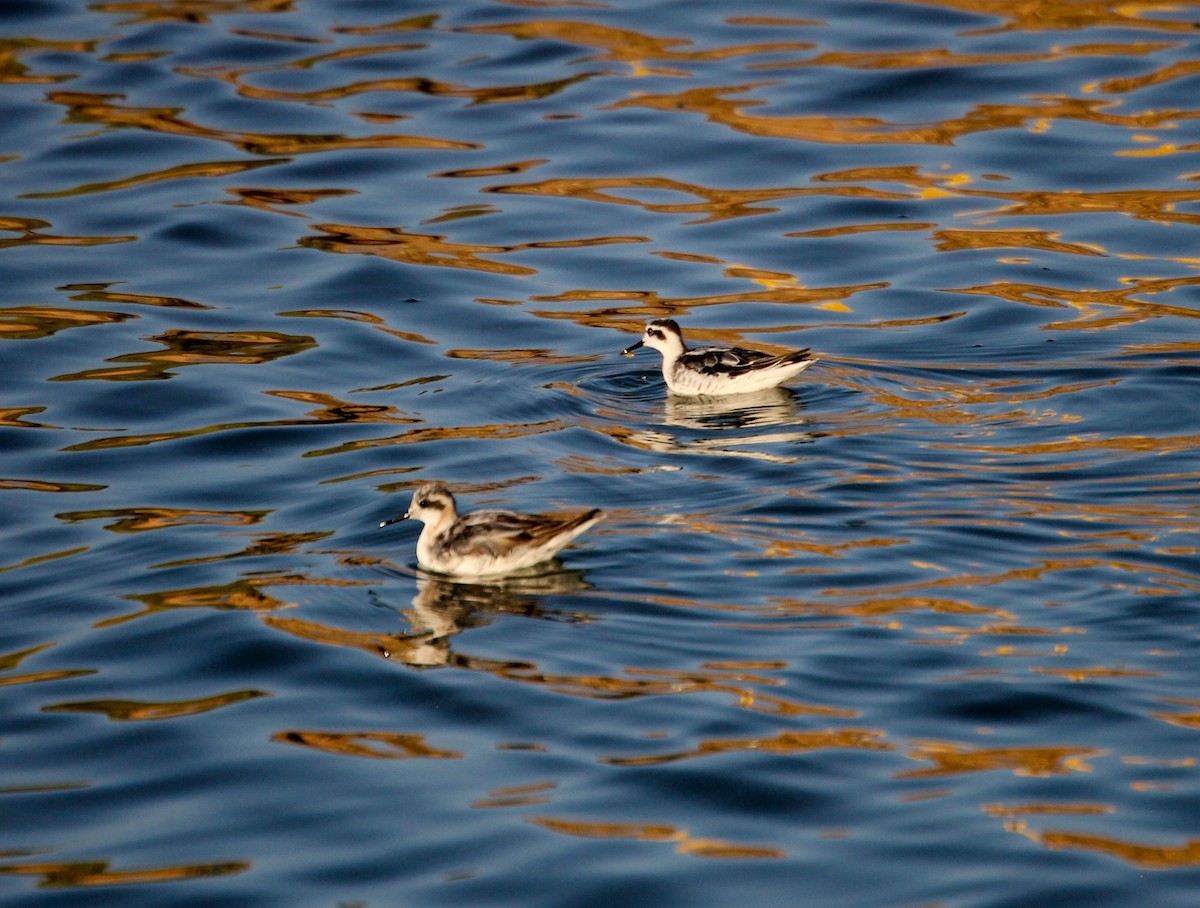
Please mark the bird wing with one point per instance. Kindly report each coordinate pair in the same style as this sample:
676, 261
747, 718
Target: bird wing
726, 360
497, 533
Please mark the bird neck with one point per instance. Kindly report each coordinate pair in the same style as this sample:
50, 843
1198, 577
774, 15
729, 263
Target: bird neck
673, 349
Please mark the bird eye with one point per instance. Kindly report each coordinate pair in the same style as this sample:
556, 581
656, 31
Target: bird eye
654, 332
423, 503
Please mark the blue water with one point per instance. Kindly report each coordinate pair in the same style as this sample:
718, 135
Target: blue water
919, 629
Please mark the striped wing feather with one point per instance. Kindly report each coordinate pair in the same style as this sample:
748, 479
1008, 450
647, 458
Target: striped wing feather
737, 360
497, 533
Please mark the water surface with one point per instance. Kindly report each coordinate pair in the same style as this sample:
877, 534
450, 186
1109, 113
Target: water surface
919, 629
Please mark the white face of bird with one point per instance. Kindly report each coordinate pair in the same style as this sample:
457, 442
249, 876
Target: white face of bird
431, 504
662, 334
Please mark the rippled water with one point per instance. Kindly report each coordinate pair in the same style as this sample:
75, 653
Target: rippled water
918, 630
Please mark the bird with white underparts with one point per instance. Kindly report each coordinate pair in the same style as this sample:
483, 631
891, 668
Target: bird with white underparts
712, 371
486, 543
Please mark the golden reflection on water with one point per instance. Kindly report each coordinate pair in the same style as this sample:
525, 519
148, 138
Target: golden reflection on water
399, 245
788, 742
85, 107
99, 293
193, 11
247, 594
685, 843
137, 520
768, 429
197, 348
633, 48
715, 204
73, 874
441, 610
30, 235
715, 105
372, 744
952, 759
1066, 15
1149, 857
15, 72
178, 172
9, 661
141, 711
33, 322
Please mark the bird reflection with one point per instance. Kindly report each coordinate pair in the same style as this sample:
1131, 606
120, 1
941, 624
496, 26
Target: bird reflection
728, 424
444, 608
770, 407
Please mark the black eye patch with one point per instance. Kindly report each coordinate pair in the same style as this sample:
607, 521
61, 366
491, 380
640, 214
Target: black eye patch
427, 503
654, 332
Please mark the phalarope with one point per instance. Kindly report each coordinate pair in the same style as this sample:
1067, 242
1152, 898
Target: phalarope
717, 370
486, 542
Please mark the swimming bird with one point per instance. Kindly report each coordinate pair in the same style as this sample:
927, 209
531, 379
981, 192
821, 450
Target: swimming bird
717, 370
486, 542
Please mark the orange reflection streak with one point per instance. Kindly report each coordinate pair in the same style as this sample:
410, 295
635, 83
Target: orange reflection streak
14, 417
1180, 69
33, 322
29, 227
438, 433
9, 661
1018, 810
782, 743
1150, 857
137, 520
181, 172
684, 842
653, 683
413, 649
194, 11
852, 229
875, 608
42, 559
240, 595
621, 45
365, 317
140, 711
644, 304
1183, 720
99, 293
490, 95
958, 240
195, 348
397, 244
517, 795
953, 759
374, 744
69, 875
36, 677
1086, 301
1040, 570
268, 544
1157, 205
41, 485
716, 108
412, 23
85, 107
1065, 15
523, 356
716, 204
936, 57
1098, 672
330, 410
1135, 443
14, 72
267, 199
430, 647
